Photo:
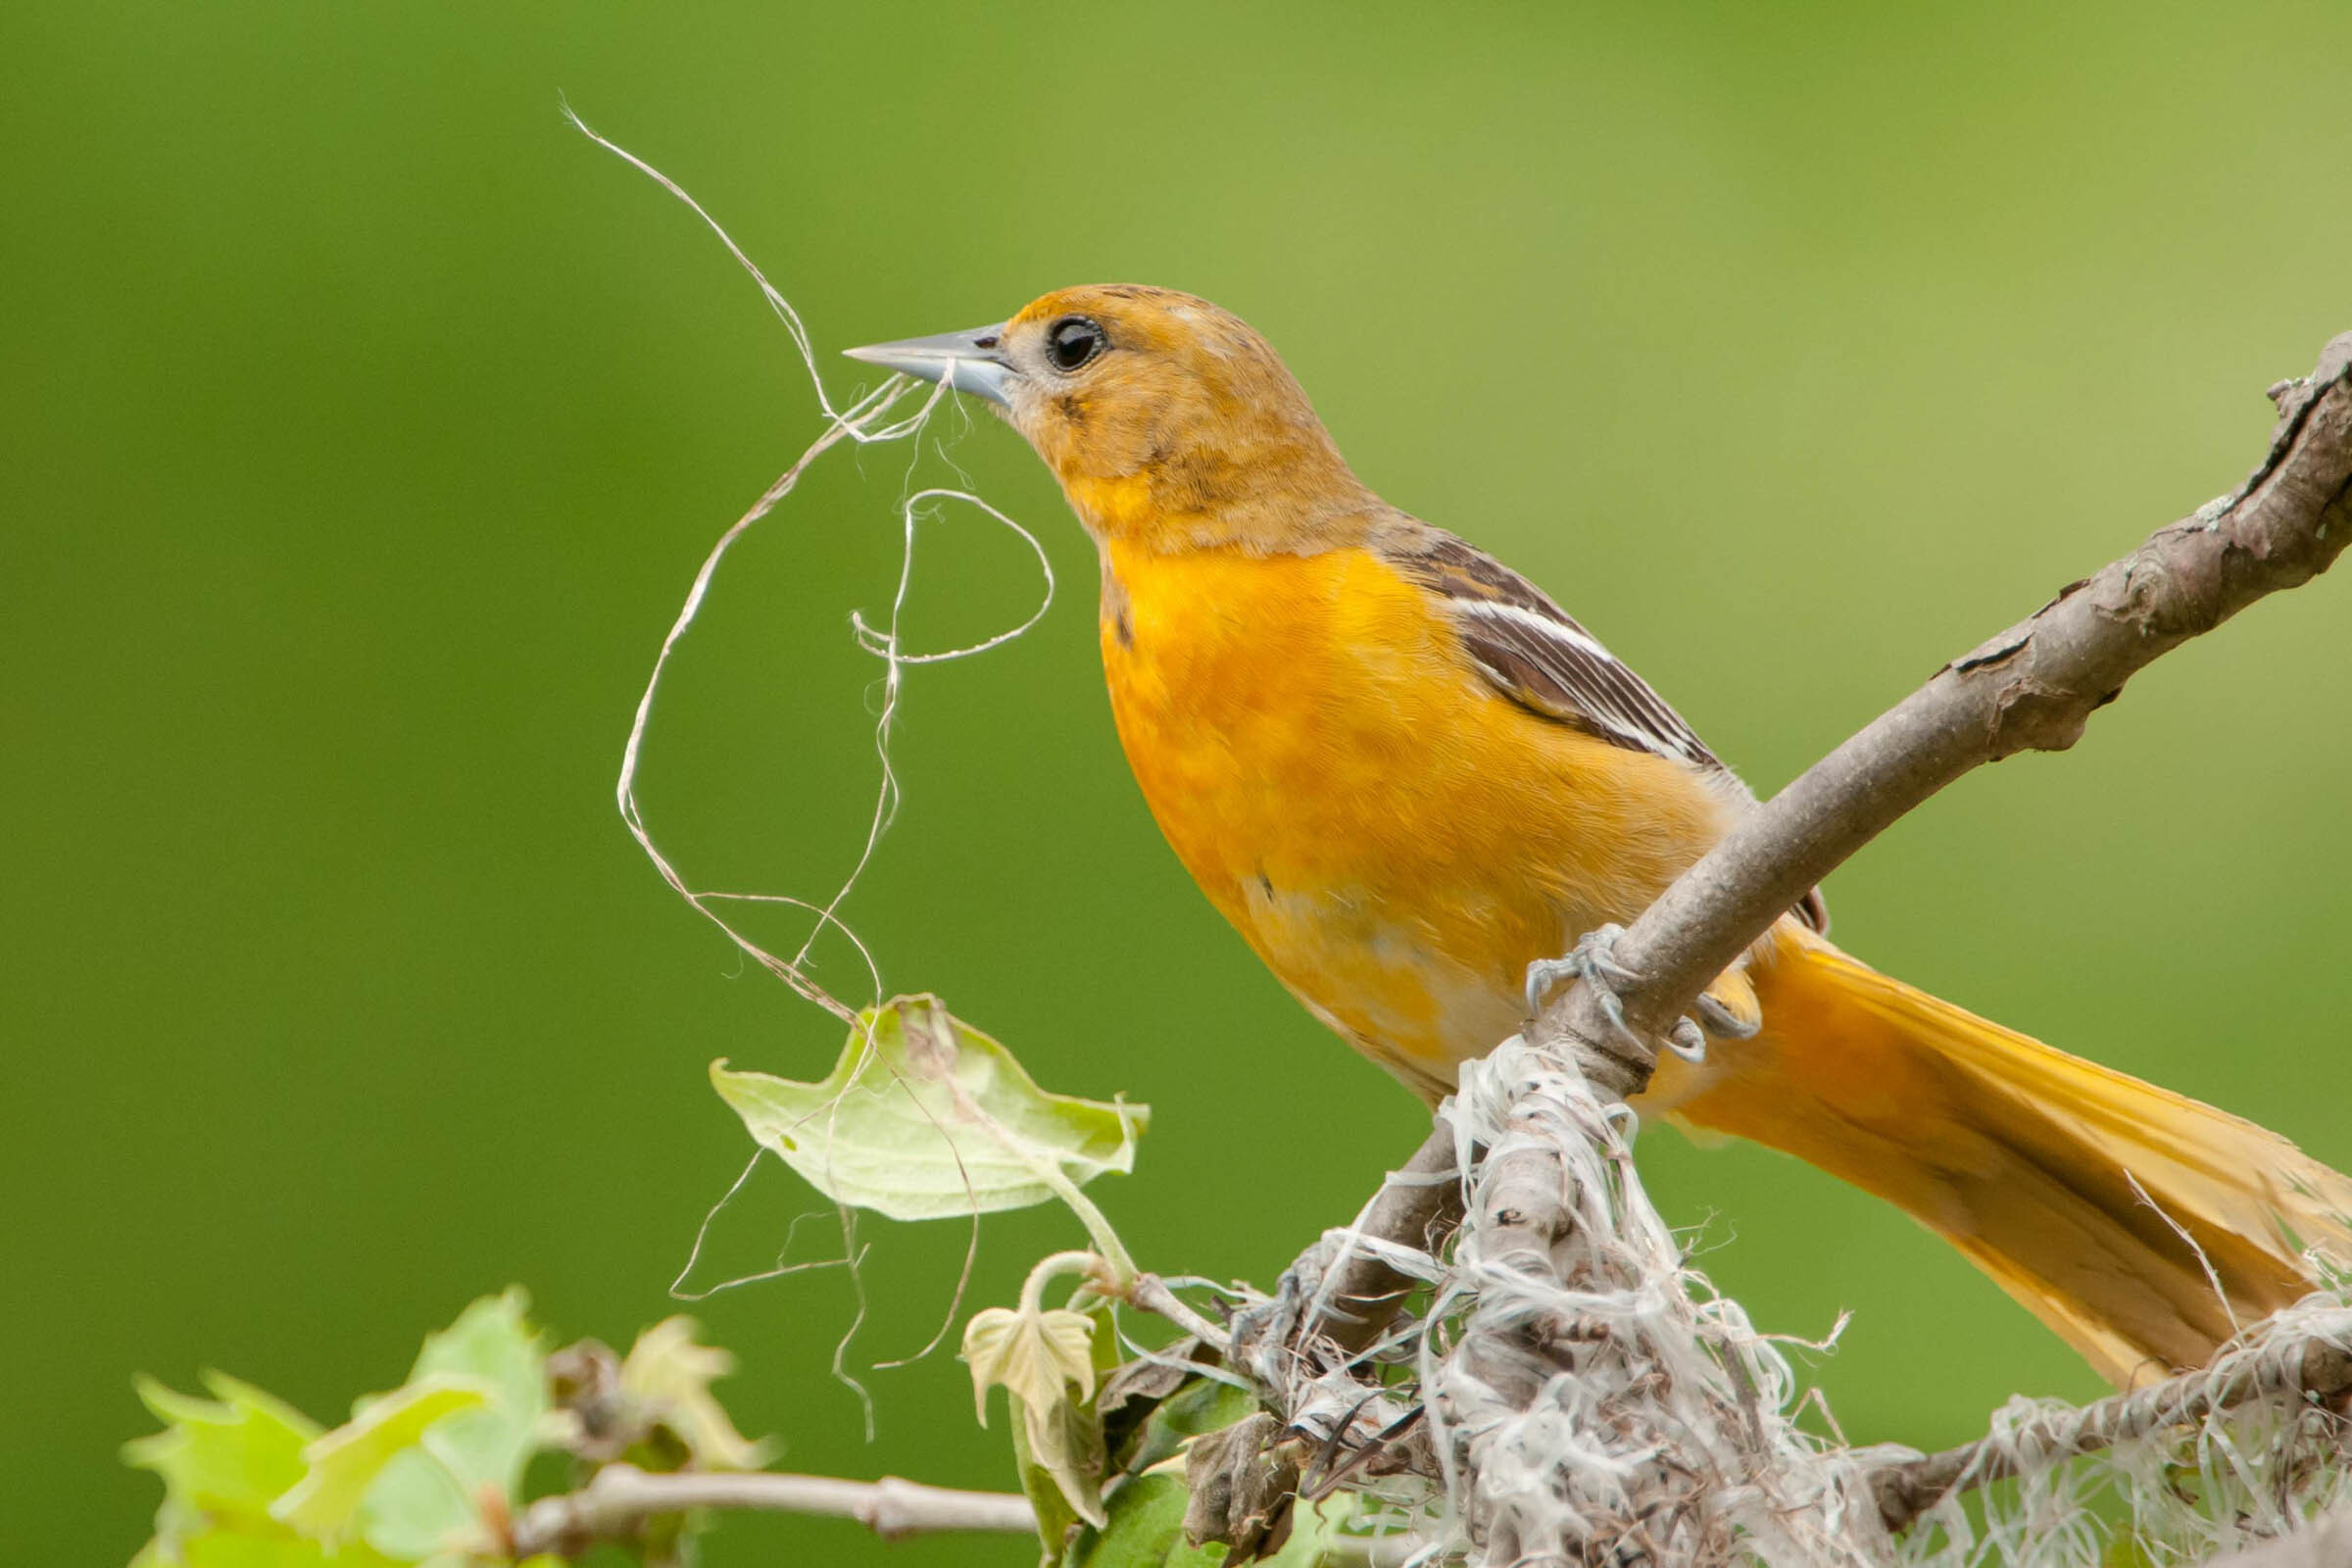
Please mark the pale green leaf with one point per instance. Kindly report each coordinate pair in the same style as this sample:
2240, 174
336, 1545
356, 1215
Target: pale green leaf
1034, 1356
237, 1548
932, 1119
341, 1465
223, 1461
250, 1483
1047, 1497
1065, 1440
434, 1491
668, 1374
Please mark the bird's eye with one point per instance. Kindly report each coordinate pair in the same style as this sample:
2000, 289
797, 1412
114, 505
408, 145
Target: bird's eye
1072, 341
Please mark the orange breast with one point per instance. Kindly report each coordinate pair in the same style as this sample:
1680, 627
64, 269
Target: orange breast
1395, 839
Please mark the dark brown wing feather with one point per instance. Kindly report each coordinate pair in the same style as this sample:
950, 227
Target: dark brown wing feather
1536, 653
1538, 656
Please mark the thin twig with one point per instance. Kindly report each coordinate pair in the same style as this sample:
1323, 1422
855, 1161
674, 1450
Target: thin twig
1151, 1294
621, 1498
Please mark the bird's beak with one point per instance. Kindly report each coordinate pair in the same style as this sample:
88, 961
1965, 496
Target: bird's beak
968, 361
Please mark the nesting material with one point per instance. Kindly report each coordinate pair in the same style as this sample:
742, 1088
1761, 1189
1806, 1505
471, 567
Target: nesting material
1593, 1399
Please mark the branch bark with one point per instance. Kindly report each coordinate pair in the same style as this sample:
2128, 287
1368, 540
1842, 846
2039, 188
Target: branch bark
621, 1498
1420, 1201
2030, 688
2319, 1367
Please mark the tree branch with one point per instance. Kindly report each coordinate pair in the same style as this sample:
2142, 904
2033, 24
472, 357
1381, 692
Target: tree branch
1416, 1205
621, 1498
2317, 1365
2030, 688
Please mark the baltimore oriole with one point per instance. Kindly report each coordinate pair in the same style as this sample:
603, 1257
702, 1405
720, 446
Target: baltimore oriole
1405, 775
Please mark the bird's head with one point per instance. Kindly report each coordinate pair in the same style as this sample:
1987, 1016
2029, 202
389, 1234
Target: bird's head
1158, 411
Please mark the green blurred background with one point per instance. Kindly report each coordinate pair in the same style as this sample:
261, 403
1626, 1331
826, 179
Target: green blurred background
363, 426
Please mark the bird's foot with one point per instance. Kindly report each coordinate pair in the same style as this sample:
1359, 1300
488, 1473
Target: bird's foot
1720, 1020
1594, 961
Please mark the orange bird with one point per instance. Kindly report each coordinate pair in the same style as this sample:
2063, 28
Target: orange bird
1407, 777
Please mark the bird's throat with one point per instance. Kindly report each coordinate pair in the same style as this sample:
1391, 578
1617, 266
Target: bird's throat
1169, 511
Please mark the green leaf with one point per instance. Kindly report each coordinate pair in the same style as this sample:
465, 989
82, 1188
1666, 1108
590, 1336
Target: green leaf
494, 1343
668, 1374
236, 1548
1202, 1405
223, 1460
1145, 1530
250, 1483
931, 1119
324, 1503
434, 1490
1056, 1518
1146, 1512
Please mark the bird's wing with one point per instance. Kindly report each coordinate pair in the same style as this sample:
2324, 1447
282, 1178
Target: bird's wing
1534, 653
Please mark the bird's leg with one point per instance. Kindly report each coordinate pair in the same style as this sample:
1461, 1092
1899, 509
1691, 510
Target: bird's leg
1594, 961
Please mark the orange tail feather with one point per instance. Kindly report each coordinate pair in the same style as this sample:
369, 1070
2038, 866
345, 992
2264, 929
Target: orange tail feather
2078, 1189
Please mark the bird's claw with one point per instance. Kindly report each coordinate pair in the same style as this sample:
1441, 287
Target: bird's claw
1594, 962
1722, 1020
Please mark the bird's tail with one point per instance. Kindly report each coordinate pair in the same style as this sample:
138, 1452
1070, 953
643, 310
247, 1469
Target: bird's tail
2141, 1226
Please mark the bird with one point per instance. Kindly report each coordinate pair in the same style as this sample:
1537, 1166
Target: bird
1408, 778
